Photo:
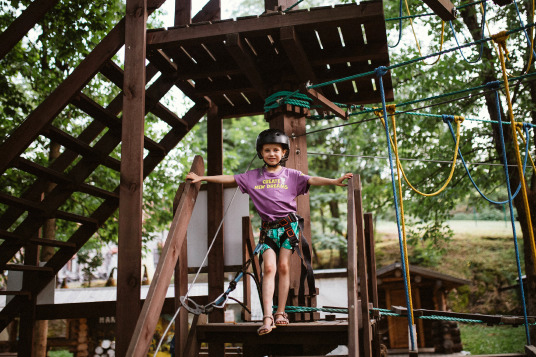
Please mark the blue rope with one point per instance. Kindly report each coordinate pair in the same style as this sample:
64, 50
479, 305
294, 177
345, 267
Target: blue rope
399, 26
481, 44
505, 162
448, 119
380, 72
524, 30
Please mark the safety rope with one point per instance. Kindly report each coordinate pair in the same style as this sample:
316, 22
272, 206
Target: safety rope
286, 97
458, 120
399, 25
482, 36
500, 39
448, 119
525, 129
380, 72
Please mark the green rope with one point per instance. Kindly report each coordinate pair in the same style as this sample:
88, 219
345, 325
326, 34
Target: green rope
449, 318
294, 5
285, 97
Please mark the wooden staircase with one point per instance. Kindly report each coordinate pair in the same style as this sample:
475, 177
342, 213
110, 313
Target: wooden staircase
82, 155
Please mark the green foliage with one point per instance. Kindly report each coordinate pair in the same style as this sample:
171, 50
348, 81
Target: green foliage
487, 340
429, 241
60, 353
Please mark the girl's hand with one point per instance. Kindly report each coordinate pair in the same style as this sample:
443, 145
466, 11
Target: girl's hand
194, 177
340, 180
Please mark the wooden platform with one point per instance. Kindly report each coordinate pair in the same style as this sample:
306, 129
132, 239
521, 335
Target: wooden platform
233, 62
297, 339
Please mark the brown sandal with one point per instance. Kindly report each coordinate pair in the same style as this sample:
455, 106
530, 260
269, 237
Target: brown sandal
282, 320
266, 328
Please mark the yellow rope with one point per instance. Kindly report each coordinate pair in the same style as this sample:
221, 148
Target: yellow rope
458, 120
500, 39
417, 40
391, 109
521, 134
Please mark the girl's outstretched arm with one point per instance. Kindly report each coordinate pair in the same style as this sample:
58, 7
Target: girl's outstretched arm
323, 181
216, 179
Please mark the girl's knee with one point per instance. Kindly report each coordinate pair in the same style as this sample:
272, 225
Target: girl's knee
269, 269
283, 268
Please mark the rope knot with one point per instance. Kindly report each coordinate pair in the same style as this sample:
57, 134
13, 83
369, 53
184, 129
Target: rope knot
447, 118
500, 39
391, 109
459, 119
493, 85
380, 71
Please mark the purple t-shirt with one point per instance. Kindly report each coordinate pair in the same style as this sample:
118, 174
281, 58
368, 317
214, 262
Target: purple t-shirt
273, 194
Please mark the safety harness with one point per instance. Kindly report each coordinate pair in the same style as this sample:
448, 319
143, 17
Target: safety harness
304, 252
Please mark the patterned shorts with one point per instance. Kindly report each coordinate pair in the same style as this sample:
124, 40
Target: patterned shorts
276, 234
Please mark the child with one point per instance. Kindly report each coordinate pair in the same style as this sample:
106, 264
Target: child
273, 190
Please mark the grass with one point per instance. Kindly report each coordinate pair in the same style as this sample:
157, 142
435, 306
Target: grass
480, 340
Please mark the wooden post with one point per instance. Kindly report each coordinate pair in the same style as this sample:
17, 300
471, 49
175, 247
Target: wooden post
353, 311
215, 217
278, 5
181, 287
146, 324
363, 274
183, 12
371, 258
131, 184
246, 285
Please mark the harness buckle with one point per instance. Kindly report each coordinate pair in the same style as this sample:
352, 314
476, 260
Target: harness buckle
283, 222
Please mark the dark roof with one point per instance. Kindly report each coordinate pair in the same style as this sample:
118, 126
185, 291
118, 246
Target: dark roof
450, 280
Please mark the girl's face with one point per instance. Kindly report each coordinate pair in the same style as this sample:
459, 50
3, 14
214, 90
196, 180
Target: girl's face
273, 153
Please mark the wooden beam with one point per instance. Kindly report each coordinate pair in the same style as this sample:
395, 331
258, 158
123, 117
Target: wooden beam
210, 12
131, 183
22, 24
218, 31
353, 312
296, 54
362, 269
443, 8
245, 61
278, 5
146, 324
327, 104
183, 12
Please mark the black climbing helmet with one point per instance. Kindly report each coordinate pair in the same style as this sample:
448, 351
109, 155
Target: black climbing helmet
273, 136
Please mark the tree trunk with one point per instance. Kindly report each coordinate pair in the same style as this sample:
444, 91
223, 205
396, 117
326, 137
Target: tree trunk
469, 17
49, 231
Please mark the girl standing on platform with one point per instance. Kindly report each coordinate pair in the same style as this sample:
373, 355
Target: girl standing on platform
273, 189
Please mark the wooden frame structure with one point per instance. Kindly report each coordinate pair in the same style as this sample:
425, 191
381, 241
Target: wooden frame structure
226, 67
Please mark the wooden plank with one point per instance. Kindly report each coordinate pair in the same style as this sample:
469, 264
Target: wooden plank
146, 324
353, 330
210, 12
296, 55
192, 345
443, 8
30, 268
245, 61
371, 258
81, 147
246, 255
43, 115
131, 183
22, 24
362, 269
183, 12
278, 5
217, 31
327, 104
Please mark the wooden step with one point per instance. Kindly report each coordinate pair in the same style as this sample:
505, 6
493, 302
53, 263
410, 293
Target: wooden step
15, 293
60, 178
30, 268
72, 217
5, 235
21, 203
81, 147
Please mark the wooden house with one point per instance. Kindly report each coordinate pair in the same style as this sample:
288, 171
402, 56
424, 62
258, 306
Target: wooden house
429, 291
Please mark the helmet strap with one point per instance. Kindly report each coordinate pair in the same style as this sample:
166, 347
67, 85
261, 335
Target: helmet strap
272, 166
